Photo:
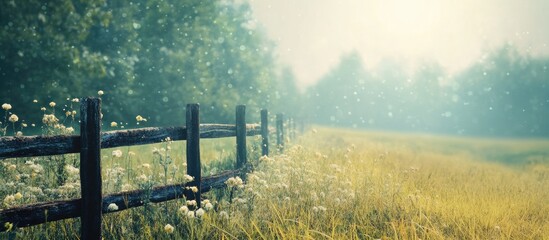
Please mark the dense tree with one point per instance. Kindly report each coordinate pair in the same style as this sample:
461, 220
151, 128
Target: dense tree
150, 57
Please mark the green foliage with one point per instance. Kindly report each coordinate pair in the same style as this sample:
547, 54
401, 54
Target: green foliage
150, 57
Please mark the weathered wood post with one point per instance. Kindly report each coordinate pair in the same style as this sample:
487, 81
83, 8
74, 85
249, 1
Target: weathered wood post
264, 132
193, 152
241, 155
280, 132
90, 168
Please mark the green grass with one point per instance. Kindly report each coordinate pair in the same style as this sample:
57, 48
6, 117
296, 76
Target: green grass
342, 184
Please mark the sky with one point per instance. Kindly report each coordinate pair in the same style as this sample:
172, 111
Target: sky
311, 35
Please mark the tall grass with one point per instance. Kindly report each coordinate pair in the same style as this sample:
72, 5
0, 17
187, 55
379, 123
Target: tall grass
336, 184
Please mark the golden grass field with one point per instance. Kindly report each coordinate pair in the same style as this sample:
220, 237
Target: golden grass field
338, 184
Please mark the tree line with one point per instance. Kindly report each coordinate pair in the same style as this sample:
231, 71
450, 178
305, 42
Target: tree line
503, 94
149, 57
152, 57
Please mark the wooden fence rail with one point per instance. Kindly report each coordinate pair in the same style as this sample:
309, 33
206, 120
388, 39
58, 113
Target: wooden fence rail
32, 146
89, 144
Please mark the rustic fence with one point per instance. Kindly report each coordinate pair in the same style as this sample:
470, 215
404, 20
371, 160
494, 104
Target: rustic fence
91, 140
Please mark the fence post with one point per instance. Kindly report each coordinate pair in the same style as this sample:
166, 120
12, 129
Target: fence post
193, 151
241, 157
90, 168
280, 131
264, 133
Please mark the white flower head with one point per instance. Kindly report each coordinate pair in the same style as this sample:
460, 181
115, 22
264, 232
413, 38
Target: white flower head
112, 207
114, 124
18, 196
139, 118
200, 212
193, 189
235, 182
13, 118
188, 178
143, 178
71, 170
191, 202
168, 228
184, 209
8, 200
52, 104
208, 206
117, 153
100, 92
12, 167
6, 106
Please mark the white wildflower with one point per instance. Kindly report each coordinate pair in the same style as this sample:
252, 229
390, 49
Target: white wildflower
71, 170
235, 182
188, 178
117, 153
184, 209
112, 207
36, 168
12, 167
168, 228
208, 206
140, 119
143, 178
69, 130
13, 118
6, 106
8, 200
193, 189
191, 202
18, 196
200, 212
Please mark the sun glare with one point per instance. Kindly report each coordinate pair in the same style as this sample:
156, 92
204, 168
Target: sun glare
408, 18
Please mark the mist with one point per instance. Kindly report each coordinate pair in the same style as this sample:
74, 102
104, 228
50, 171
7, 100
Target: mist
467, 68
505, 95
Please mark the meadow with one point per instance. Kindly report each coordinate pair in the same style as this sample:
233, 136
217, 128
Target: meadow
328, 184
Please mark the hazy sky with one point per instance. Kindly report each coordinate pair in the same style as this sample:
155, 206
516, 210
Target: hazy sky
311, 35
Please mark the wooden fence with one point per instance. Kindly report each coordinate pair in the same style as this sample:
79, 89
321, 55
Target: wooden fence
91, 140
